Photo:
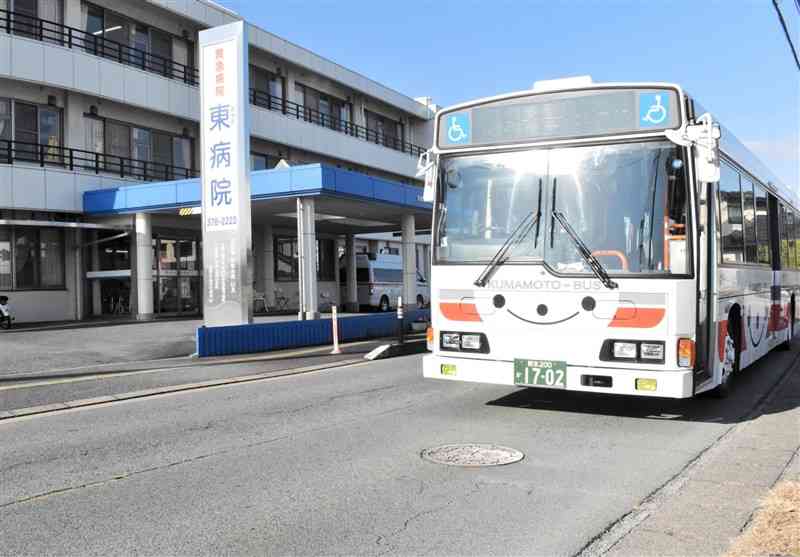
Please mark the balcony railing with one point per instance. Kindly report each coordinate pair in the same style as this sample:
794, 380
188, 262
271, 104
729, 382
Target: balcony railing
300, 112
78, 159
63, 35
56, 33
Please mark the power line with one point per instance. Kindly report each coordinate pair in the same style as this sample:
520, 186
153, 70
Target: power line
786, 31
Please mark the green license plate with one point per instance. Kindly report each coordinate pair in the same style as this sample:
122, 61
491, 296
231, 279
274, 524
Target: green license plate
541, 373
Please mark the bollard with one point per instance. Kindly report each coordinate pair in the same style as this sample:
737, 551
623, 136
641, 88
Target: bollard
335, 325
400, 318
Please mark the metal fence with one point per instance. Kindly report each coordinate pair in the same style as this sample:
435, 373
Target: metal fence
300, 112
56, 33
78, 159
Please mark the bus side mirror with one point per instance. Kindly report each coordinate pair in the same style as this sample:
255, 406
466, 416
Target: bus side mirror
704, 136
426, 166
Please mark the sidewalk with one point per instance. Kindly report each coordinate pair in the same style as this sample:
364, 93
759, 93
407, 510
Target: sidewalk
61, 348
712, 502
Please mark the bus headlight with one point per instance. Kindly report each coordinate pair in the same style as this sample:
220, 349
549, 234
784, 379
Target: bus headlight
651, 351
625, 350
471, 342
451, 340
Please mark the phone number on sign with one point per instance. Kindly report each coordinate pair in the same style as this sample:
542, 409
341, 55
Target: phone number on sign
221, 221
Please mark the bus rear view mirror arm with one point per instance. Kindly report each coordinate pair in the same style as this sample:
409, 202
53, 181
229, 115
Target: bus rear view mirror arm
426, 166
704, 136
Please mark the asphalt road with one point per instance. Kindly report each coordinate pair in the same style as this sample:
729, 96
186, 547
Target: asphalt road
328, 463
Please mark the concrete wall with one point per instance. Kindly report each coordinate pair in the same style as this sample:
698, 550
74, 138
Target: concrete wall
29, 186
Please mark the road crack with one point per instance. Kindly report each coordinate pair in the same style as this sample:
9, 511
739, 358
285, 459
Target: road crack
127, 475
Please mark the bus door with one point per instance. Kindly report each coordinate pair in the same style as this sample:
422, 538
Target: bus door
706, 259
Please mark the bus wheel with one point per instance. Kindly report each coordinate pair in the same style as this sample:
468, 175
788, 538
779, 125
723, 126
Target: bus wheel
734, 326
788, 344
384, 304
420, 301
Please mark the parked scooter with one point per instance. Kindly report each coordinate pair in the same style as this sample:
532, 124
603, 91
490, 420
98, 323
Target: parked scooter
5, 313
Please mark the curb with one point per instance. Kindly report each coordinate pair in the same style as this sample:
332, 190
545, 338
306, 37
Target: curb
146, 393
168, 363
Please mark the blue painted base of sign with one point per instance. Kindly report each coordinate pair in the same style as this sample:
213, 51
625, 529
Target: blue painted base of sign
266, 337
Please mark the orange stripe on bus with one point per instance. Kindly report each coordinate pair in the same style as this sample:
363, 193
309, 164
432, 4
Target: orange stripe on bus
637, 318
721, 334
458, 311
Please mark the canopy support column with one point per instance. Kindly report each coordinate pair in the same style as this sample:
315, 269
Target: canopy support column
409, 262
144, 266
307, 264
351, 288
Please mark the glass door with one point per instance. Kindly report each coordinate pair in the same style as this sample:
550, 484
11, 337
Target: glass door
178, 284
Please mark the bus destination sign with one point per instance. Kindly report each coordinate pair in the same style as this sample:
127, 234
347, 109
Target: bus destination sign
561, 115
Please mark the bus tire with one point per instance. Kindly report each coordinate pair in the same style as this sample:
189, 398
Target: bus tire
384, 304
734, 325
420, 301
787, 345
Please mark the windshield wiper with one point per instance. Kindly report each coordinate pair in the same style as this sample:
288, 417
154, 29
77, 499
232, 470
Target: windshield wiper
595, 265
519, 232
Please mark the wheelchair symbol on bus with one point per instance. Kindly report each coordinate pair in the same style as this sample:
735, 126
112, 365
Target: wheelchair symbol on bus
458, 129
656, 113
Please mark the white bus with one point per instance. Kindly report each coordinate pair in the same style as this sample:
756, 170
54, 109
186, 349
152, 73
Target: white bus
606, 238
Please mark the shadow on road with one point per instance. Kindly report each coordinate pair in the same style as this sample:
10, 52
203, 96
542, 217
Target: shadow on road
748, 390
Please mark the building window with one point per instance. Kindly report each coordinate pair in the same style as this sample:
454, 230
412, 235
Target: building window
5, 120
286, 259
326, 259
170, 154
5, 258
130, 42
31, 258
95, 136
287, 265
260, 161
269, 88
324, 109
384, 130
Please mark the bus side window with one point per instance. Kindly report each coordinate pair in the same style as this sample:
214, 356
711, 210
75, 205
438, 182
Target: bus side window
762, 225
730, 213
784, 238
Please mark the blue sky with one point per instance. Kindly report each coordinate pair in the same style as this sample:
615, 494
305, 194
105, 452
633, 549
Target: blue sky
730, 54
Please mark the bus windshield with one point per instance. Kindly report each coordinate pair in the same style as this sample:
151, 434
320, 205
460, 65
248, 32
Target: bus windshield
626, 202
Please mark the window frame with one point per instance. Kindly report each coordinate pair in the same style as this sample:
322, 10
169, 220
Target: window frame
13, 233
153, 132
745, 177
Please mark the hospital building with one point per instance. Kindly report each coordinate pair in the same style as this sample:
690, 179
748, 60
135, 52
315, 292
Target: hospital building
100, 158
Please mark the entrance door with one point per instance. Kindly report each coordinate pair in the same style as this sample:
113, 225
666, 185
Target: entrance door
178, 282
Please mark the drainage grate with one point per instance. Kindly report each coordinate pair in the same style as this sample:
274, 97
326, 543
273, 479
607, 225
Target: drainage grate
472, 454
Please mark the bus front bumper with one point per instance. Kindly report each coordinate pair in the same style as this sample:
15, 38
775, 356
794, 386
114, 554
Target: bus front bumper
672, 384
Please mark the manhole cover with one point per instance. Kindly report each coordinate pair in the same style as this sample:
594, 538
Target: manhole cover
472, 454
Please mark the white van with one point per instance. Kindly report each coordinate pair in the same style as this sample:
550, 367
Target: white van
380, 281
